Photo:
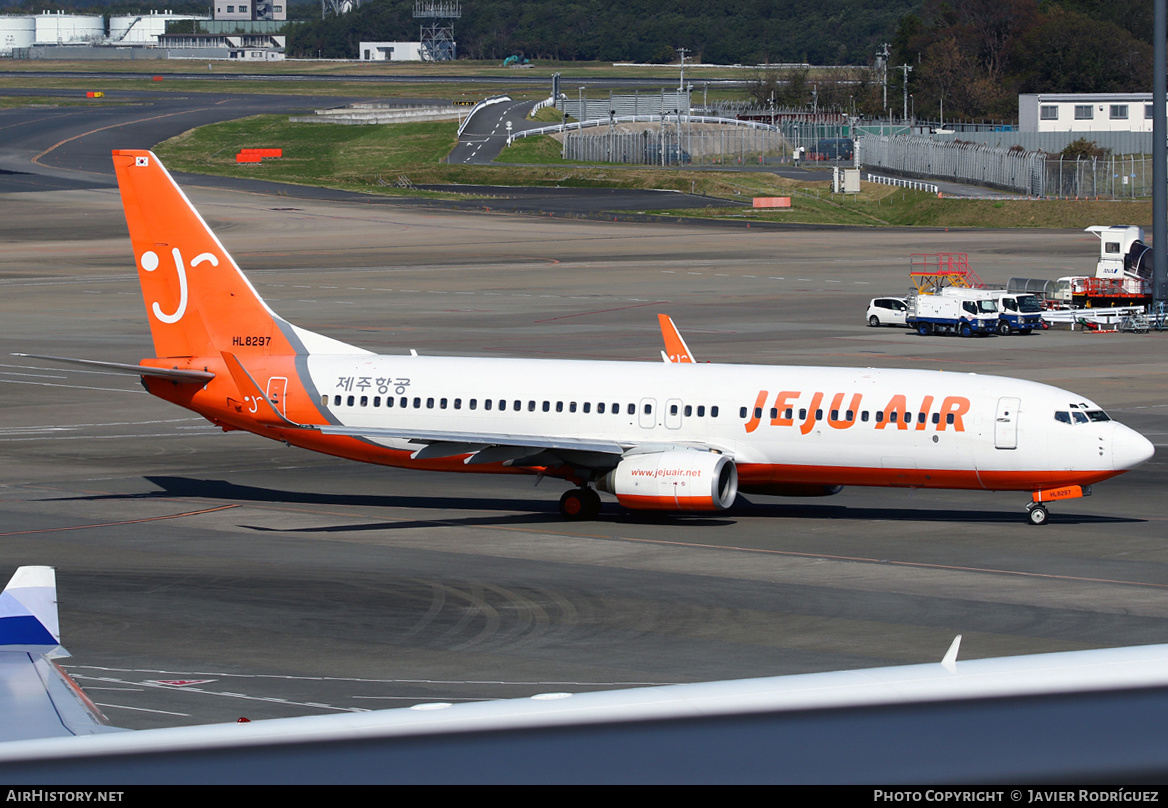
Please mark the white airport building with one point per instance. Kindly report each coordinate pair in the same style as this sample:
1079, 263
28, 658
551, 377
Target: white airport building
390, 52
1085, 112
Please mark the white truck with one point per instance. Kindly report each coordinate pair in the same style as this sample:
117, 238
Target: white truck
956, 310
1018, 312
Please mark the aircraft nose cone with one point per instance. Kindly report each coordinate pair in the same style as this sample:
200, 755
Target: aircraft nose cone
1129, 448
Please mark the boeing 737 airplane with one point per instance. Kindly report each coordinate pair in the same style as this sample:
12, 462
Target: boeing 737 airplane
675, 435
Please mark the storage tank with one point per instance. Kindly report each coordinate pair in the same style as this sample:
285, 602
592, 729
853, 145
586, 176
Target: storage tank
59, 28
143, 29
16, 31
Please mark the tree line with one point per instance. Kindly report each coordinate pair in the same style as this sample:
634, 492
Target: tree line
976, 56
719, 31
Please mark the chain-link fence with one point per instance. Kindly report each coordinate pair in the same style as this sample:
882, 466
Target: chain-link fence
1123, 176
1008, 169
664, 102
680, 144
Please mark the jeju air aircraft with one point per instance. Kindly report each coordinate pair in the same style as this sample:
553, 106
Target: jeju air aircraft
676, 435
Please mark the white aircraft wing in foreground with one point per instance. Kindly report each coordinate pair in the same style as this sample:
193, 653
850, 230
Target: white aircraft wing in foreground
37, 698
1078, 716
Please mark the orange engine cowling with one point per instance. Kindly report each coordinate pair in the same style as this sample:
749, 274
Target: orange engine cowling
673, 481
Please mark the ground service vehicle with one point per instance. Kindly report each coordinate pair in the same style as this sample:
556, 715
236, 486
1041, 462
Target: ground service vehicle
1123, 274
955, 311
887, 311
1018, 312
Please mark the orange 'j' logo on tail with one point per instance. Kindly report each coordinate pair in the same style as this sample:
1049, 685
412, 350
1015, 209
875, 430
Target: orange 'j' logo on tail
150, 263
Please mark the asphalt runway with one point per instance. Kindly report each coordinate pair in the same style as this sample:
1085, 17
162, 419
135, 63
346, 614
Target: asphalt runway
205, 576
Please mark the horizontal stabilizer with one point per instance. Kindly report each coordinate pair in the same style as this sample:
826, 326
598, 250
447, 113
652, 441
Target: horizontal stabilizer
28, 611
174, 374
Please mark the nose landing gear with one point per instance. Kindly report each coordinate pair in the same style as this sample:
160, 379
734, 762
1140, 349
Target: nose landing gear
1036, 510
1036, 513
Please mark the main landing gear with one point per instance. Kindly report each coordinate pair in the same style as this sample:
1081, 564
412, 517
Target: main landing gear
580, 504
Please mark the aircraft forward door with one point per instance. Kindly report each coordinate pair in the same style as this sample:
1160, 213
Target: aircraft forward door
1006, 423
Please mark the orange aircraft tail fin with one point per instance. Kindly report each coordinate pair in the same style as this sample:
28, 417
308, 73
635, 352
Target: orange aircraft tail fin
198, 303
677, 350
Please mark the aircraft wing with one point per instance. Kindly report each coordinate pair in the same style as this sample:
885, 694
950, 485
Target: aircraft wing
37, 698
479, 440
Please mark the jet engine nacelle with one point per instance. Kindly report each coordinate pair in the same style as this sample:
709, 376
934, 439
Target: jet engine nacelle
673, 481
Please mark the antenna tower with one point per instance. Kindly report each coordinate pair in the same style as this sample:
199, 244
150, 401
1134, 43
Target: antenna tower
438, 33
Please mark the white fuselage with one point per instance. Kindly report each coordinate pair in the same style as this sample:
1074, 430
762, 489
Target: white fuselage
779, 424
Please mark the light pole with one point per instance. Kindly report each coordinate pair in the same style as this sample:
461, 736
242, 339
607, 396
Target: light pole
907, 69
1159, 157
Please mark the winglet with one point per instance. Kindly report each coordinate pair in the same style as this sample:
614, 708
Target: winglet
28, 611
950, 659
675, 346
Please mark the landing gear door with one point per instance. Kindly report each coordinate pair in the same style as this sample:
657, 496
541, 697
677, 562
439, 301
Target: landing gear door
1006, 423
277, 389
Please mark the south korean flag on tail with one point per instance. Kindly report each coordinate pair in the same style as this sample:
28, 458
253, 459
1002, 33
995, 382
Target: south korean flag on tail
141, 161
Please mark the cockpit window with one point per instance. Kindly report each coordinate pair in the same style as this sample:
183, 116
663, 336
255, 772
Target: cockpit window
1080, 417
